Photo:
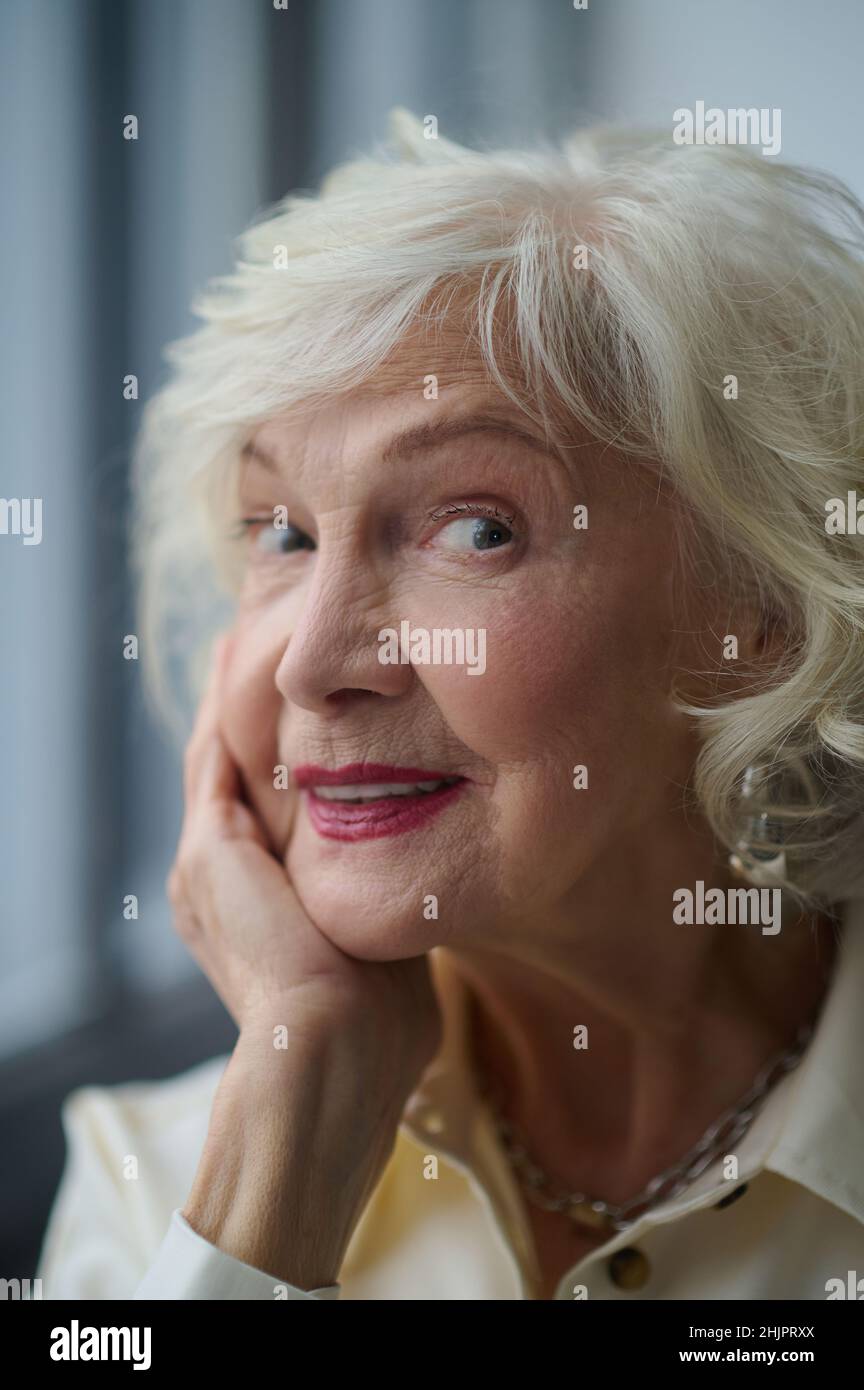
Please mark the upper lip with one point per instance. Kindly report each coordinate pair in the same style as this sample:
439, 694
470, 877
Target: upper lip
311, 775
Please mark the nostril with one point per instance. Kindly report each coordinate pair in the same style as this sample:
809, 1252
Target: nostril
342, 697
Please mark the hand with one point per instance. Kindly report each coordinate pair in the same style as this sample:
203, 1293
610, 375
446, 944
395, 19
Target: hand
299, 1135
239, 916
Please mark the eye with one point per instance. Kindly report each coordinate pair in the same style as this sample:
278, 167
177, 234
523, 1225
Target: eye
474, 527
271, 536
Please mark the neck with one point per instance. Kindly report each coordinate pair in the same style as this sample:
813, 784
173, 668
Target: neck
678, 1022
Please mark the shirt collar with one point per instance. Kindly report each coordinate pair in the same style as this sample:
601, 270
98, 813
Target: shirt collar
810, 1127
819, 1136
445, 1112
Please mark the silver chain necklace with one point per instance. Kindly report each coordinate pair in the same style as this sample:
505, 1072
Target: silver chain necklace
600, 1215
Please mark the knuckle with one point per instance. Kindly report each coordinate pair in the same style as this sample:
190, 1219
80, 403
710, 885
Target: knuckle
175, 887
194, 863
199, 863
223, 820
186, 876
190, 763
185, 924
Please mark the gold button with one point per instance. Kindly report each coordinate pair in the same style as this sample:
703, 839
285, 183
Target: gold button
731, 1197
433, 1121
629, 1269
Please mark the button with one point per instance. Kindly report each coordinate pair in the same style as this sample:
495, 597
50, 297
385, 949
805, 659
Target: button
629, 1269
433, 1121
731, 1197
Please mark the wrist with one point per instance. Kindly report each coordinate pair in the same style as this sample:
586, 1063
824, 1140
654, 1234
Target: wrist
291, 1156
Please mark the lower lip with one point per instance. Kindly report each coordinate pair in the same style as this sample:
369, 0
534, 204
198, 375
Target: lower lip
371, 820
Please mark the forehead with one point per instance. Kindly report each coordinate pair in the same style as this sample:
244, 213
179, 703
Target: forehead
434, 373
391, 424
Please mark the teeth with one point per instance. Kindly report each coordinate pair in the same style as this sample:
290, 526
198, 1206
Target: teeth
366, 791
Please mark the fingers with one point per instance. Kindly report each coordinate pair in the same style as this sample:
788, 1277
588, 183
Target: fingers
224, 879
224, 867
218, 778
211, 787
217, 811
218, 837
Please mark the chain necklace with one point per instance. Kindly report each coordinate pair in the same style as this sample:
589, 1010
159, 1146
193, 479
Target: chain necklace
607, 1216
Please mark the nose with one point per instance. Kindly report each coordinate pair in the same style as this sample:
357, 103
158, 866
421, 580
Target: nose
331, 652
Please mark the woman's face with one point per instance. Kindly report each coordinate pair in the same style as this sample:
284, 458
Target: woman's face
398, 515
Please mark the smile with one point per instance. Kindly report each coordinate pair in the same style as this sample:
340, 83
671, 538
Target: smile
371, 800
379, 791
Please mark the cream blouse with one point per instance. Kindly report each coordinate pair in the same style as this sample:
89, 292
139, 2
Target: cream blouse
789, 1226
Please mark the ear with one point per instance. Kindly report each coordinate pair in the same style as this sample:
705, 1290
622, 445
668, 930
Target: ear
763, 640
772, 638
739, 646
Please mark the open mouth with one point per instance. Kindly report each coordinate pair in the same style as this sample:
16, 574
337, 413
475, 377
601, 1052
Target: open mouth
369, 800
359, 793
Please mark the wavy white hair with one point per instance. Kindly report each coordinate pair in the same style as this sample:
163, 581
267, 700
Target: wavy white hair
703, 263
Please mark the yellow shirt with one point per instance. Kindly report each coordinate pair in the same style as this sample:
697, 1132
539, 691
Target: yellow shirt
797, 1225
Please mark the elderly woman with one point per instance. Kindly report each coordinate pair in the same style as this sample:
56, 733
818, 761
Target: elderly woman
523, 805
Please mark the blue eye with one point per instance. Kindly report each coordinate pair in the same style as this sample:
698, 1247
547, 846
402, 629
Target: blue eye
270, 538
473, 528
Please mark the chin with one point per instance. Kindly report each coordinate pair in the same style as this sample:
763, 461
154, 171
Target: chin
378, 913
373, 930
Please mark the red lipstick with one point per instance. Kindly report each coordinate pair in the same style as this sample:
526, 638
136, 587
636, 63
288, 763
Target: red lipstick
385, 815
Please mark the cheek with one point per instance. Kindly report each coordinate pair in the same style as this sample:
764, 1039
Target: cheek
576, 674
563, 674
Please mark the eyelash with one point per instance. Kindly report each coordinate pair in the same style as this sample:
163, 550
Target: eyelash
472, 509
245, 524
480, 509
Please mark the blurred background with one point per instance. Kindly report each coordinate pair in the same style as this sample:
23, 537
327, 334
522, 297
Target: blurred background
104, 241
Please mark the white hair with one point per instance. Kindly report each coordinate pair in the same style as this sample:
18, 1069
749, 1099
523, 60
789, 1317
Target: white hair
702, 265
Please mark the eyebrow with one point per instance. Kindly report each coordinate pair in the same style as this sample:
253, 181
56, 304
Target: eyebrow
431, 435
254, 451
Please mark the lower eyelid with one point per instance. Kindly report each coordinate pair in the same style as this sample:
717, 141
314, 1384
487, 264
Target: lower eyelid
248, 526
470, 555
